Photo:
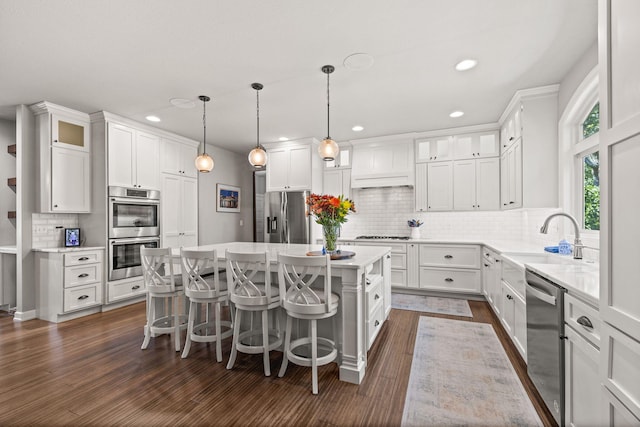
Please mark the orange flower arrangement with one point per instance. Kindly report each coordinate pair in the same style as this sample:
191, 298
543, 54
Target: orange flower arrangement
330, 210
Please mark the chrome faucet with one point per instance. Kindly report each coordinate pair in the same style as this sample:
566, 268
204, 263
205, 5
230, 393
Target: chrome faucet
577, 243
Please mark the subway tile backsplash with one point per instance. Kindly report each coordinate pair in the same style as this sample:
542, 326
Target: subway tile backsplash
48, 229
385, 211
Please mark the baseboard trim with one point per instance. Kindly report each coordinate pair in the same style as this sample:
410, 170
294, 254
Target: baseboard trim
22, 316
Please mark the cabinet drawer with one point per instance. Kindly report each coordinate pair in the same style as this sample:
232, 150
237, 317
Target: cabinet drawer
450, 280
514, 276
396, 248
450, 256
374, 324
620, 358
78, 258
574, 309
374, 295
398, 277
82, 275
119, 291
82, 296
398, 261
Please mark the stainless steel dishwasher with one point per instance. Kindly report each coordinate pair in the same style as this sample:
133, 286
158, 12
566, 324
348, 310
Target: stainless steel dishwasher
545, 348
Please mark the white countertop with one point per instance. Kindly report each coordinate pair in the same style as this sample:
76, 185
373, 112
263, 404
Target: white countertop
8, 250
63, 250
579, 278
364, 255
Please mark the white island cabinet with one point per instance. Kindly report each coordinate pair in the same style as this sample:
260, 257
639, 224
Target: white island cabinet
363, 284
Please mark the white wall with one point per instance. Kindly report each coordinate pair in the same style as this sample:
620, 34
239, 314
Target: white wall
7, 195
575, 76
217, 227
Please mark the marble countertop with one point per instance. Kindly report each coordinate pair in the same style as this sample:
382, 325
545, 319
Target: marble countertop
64, 250
364, 255
8, 249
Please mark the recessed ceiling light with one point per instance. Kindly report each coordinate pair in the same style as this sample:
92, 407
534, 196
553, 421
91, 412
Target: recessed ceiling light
182, 103
456, 114
283, 138
358, 61
357, 128
466, 64
153, 118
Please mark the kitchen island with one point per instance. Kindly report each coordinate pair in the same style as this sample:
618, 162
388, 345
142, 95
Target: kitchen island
363, 283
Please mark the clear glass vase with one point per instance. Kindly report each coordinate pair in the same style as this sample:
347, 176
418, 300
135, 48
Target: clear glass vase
330, 232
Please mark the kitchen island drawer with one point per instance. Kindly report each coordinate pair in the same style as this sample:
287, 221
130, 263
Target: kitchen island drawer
82, 275
450, 280
374, 293
456, 256
374, 324
81, 297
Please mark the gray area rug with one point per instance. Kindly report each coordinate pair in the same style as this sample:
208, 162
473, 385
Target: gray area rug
452, 306
460, 375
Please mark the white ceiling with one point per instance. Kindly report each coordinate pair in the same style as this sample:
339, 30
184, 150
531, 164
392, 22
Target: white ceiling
130, 57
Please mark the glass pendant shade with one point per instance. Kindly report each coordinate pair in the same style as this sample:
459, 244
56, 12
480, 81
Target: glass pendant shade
258, 158
204, 163
328, 149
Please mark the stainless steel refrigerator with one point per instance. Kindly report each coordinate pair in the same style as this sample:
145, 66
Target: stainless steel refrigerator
285, 218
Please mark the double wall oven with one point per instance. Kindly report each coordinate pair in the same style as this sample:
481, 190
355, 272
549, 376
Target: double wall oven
134, 221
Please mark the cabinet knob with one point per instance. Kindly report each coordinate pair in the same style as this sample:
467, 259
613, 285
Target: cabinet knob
511, 203
510, 138
376, 297
55, 206
133, 288
377, 323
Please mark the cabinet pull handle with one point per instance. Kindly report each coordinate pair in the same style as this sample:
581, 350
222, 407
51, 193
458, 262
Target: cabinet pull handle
84, 258
83, 297
448, 256
510, 138
376, 297
388, 256
509, 296
83, 275
377, 323
584, 321
486, 265
511, 203
135, 287
448, 279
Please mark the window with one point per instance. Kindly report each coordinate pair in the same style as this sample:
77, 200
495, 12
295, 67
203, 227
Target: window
579, 157
589, 159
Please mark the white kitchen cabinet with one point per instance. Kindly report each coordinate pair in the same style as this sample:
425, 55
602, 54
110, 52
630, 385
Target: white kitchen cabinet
582, 356
398, 261
344, 157
530, 177
440, 186
421, 188
476, 184
179, 219
64, 162
293, 166
413, 265
511, 129
508, 314
450, 268
510, 304
133, 157
178, 158
491, 271
70, 283
511, 183
434, 149
383, 162
619, 37
336, 182
476, 145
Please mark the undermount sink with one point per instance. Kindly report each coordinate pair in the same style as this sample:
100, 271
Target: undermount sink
543, 259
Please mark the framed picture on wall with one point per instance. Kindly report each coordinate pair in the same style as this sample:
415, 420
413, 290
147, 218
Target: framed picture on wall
228, 198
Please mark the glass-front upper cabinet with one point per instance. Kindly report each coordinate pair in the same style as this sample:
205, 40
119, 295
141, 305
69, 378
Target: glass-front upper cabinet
70, 132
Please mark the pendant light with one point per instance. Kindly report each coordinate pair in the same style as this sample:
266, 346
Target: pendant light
204, 162
328, 148
258, 156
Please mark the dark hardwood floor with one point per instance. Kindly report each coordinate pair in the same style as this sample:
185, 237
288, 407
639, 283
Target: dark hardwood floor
91, 371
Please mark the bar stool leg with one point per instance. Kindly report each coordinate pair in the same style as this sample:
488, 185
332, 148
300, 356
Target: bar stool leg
314, 355
287, 343
265, 342
218, 333
236, 333
192, 313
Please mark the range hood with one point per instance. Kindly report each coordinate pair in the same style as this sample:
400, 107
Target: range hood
383, 162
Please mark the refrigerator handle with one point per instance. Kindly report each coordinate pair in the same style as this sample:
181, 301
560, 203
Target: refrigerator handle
283, 214
274, 225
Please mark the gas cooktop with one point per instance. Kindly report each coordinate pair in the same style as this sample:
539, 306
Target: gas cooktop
383, 237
